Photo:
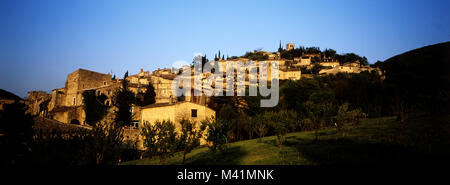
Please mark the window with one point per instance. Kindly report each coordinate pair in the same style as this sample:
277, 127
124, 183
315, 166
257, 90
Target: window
74, 101
104, 83
194, 113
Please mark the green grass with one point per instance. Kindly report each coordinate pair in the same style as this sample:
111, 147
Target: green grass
379, 140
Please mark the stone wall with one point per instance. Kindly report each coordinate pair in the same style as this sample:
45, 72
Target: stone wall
38, 102
80, 80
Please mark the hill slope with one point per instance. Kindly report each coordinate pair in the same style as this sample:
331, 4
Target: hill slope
425, 69
375, 141
8, 95
420, 78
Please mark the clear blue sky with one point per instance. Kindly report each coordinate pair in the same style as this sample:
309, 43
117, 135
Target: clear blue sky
42, 41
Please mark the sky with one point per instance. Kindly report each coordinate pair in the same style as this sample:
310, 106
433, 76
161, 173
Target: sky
42, 41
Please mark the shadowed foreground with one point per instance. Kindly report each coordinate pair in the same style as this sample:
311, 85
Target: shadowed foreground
375, 141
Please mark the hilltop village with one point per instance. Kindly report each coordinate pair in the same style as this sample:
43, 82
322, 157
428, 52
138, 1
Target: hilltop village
65, 104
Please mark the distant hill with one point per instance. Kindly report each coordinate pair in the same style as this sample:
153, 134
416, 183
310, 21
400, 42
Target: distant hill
8, 95
421, 76
423, 69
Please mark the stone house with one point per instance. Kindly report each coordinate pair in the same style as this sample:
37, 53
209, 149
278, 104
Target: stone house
174, 112
290, 74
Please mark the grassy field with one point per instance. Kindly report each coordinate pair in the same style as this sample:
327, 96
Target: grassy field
375, 141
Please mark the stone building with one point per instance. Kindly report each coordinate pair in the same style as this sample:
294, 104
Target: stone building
174, 112
302, 61
290, 46
290, 74
330, 64
38, 102
66, 103
352, 67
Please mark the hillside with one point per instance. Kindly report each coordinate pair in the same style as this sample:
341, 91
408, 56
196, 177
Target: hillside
8, 95
375, 141
424, 69
420, 78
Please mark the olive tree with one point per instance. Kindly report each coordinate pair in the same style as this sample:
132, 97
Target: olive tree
216, 134
320, 109
345, 116
160, 139
281, 123
104, 142
190, 136
261, 125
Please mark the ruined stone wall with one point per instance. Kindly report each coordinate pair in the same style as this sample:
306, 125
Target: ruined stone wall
58, 98
69, 114
38, 102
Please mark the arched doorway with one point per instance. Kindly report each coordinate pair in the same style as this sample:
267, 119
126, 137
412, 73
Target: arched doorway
75, 122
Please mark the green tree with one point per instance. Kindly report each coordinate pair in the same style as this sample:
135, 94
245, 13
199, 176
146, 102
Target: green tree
104, 142
190, 136
280, 48
312, 50
216, 134
330, 53
290, 95
148, 97
249, 125
123, 100
160, 139
16, 130
316, 69
342, 118
345, 116
320, 108
228, 115
281, 122
262, 127
94, 107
